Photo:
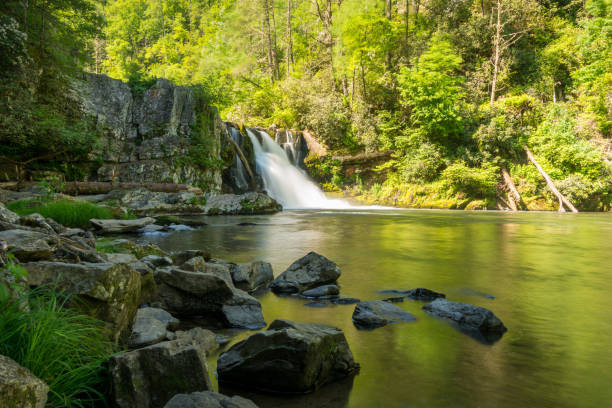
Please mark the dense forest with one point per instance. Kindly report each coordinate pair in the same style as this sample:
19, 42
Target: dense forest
473, 100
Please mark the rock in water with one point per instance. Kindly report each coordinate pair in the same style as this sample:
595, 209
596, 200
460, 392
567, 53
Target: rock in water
288, 357
378, 313
416, 294
309, 272
252, 276
248, 203
19, 388
476, 321
322, 291
151, 376
208, 399
120, 226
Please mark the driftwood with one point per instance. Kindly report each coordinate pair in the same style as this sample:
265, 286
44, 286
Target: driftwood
514, 198
238, 151
549, 182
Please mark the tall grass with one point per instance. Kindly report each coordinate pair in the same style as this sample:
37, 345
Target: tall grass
63, 348
66, 212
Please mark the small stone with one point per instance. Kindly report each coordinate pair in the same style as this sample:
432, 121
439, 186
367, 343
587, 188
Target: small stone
322, 291
308, 272
377, 313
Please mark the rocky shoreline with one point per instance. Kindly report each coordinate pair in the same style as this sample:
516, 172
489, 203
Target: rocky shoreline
150, 299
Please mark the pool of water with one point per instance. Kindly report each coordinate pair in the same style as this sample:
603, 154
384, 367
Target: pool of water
547, 276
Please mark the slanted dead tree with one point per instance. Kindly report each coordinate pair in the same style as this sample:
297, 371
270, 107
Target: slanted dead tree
550, 183
514, 198
244, 161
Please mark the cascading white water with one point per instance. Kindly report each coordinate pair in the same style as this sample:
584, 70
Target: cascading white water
285, 182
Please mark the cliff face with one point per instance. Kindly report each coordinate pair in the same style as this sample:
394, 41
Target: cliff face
151, 136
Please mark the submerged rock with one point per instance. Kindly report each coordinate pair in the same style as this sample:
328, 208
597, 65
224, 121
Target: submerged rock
248, 203
416, 294
252, 276
120, 226
288, 357
476, 321
149, 377
345, 301
322, 291
208, 399
378, 313
308, 272
19, 388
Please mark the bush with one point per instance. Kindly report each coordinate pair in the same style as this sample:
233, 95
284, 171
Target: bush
61, 347
475, 182
422, 165
69, 213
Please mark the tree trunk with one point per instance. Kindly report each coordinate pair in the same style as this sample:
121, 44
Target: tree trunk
268, 38
289, 56
549, 182
513, 194
388, 52
407, 34
496, 46
244, 161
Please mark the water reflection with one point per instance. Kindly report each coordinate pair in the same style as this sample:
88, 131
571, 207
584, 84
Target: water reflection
549, 275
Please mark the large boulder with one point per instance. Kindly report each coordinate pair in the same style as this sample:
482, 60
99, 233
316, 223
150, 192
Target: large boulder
149, 377
252, 276
308, 272
248, 203
7, 215
29, 245
107, 291
120, 226
149, 203
46, 224
151, 326
288, 357
19, 388
476, 321
210, 295
378, 313
208, 399
130, 247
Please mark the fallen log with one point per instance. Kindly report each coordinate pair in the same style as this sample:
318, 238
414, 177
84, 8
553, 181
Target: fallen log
550, 183
514, 198
243, 160
103, 187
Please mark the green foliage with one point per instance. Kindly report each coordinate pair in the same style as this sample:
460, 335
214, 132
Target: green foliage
66, 212
61, 347
475, 182
12, 281
422, 165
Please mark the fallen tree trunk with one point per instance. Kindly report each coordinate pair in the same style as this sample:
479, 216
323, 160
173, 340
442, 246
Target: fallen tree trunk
103, 187
238, 151
549, 182
514, 197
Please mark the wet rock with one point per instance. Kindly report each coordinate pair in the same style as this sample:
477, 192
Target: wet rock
156, 261
107, 291
120, 226
288, 357
7, 215
151, 228
151, 326
316, 304
378, 313
322, 291
209, 295
476, 321
169, 220
252, 276
397, 299
29, 245
345, 301
208, 399
308, 272
248, 203
19, 388
179, 258
149, 377
416, 294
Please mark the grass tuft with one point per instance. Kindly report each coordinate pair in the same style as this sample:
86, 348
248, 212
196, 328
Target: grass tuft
69, 213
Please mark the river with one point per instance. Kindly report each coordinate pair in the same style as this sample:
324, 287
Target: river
547, 276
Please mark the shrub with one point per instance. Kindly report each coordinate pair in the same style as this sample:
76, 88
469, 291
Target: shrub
61, 347
66, 212
422, 165
475, 182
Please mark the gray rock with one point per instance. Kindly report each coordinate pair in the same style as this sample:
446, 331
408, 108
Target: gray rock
198, 264
288, 357
322, 291
151, 326
248, 203
308, 272
149, 377
120, 258
209, 295
38, 221
29, 245
7, 215
204, 340
252, 276
476, 321
19, 388
152, 228
156, 261
208, 399
120, 226
82, 237
378, 313
179, 258
416, 294
345, 301
150, 203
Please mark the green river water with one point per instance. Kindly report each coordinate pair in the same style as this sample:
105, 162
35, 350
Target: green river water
550, 276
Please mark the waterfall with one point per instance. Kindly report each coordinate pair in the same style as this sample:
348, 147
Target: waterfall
284, 181
238, 172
